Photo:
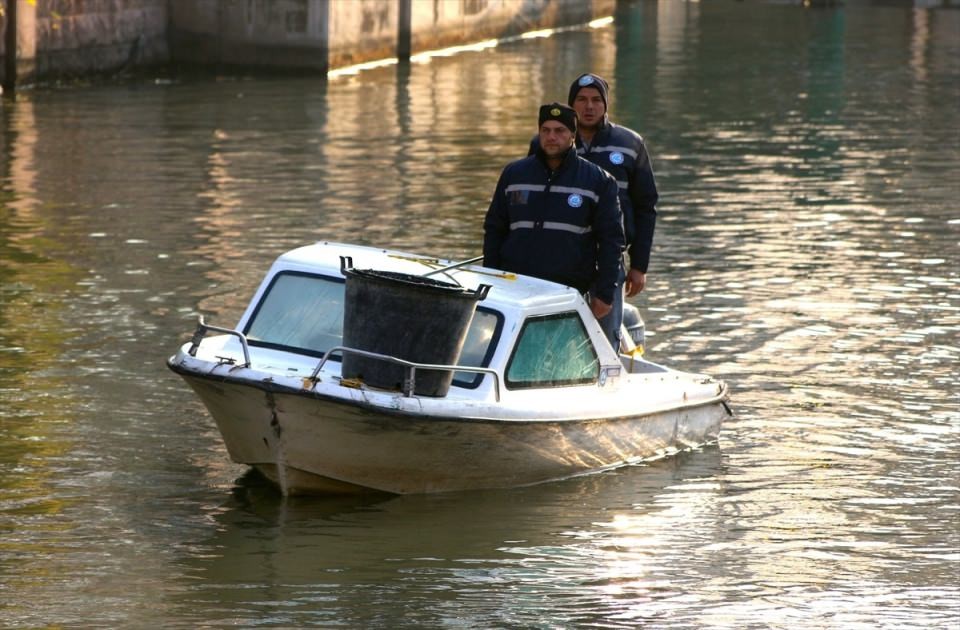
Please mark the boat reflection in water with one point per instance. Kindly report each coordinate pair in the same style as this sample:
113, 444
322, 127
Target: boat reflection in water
319, 390
596, 542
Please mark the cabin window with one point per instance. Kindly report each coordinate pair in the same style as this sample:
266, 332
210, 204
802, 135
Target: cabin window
479, 345
553, 351
304, 313
299, 312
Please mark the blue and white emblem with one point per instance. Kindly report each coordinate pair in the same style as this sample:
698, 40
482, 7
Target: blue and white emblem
585, 80
616, 158
575, 200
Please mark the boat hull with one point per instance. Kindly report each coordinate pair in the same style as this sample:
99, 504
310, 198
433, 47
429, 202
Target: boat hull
309, 443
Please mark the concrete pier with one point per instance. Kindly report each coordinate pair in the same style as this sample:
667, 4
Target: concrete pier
60, 38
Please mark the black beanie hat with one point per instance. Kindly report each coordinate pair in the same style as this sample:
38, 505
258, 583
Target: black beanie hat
589, 80
561, 113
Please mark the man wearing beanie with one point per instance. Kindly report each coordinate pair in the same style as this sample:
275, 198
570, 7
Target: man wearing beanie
622, 153
556, 216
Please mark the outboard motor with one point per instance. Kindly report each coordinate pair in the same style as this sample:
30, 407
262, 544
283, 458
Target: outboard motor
634, 326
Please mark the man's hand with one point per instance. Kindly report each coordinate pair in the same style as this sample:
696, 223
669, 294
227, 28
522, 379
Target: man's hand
599, 308
636, 280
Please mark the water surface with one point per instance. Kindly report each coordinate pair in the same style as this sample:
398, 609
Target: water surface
807, 252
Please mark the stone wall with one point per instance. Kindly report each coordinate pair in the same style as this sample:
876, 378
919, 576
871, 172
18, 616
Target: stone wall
278, 33
444, 23
74, 37
63, 38
323, 34
362, 31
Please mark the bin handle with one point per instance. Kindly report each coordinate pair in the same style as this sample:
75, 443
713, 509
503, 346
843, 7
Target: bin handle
453, 266
480, 293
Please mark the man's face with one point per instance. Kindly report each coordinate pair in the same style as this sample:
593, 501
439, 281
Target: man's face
589, 107
555, 138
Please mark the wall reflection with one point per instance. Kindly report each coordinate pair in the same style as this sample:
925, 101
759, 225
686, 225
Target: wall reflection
34, 397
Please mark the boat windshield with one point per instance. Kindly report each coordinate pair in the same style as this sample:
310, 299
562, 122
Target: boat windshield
303, 313
299, 312
552, 351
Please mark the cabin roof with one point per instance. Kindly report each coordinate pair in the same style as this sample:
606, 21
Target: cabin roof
506, 288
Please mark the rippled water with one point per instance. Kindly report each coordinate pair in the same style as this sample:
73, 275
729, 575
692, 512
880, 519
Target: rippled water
807, 252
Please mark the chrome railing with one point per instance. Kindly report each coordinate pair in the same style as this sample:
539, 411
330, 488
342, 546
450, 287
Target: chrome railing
409, 382
201, 332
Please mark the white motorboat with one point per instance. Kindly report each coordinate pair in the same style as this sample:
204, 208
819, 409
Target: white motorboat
325, 387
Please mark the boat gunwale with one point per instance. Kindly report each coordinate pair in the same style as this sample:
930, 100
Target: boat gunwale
273, 387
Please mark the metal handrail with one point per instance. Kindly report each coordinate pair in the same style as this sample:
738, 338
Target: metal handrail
201, 332
410, 382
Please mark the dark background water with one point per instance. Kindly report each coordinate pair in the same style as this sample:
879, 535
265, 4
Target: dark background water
807, 252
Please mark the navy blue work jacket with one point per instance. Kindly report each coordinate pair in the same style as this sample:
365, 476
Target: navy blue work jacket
563, 225
622, 153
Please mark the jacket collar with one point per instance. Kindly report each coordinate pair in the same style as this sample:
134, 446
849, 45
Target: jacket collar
602, 130
569, 157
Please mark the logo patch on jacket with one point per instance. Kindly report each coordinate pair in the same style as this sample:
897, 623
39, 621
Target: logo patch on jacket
575, 200
519, 197
616, 157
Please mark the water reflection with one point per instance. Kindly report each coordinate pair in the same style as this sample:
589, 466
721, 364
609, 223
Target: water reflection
595, 535
31, 339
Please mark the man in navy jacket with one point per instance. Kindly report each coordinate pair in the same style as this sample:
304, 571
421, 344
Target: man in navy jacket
622, 153
557, 216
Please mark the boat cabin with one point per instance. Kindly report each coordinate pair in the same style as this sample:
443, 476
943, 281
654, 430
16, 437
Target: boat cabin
532, 333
